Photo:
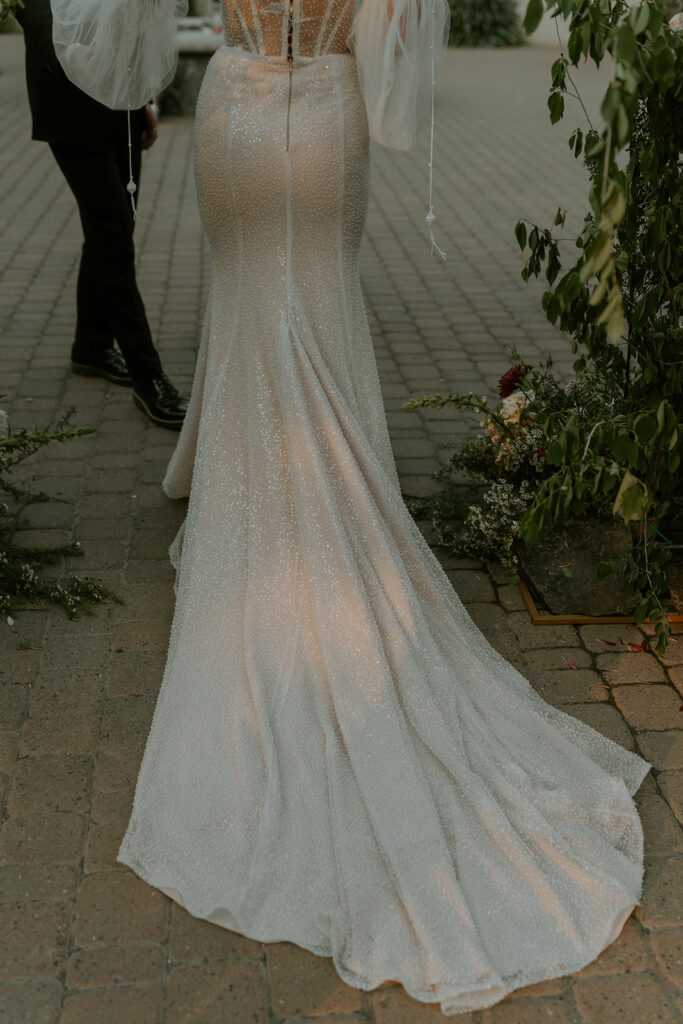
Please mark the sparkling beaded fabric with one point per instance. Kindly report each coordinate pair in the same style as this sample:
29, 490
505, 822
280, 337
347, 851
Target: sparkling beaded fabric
338, 757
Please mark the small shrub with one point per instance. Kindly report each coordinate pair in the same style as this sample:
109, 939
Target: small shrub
494, 23
21, 576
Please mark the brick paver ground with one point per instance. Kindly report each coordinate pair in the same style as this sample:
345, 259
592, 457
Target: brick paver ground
83, 941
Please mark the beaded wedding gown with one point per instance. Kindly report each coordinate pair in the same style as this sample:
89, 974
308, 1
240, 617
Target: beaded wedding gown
338, 757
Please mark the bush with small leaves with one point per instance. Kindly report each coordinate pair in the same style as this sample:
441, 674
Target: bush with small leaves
494, 23
621, 300
613, 440
21, 579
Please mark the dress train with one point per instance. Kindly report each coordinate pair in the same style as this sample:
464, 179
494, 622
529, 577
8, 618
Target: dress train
338, 757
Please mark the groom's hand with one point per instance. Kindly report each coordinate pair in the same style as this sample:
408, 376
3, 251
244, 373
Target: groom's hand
151, 129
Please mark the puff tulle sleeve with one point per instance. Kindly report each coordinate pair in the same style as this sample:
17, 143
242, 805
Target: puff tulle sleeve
398, 45
120, 52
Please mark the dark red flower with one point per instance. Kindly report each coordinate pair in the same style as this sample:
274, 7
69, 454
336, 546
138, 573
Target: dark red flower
509, 381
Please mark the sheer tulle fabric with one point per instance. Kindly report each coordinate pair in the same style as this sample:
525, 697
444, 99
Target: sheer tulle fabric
398, 52
119, 52
122, 53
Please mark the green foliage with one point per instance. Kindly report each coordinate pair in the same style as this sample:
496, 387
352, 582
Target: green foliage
628, 276
515, 455
7, 9
621, 299
613, 439
20, 566
474, 23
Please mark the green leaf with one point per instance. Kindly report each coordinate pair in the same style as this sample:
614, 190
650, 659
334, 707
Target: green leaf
640, 614
649, 161
532, 18
611, 102
595, 146
576, 142
556, 106
559, 72
554, 454
575, 46
656, 21
639, 18
632, 501
520, 233
623, 125
645, 428
661, 416
626, 45
664, 258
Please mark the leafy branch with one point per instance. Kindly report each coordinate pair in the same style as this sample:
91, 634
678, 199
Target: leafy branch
21, 576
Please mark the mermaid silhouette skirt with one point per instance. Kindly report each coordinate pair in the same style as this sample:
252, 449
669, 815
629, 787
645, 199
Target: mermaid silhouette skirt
338, 758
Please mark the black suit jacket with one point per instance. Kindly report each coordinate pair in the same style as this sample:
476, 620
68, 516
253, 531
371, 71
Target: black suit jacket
61, 111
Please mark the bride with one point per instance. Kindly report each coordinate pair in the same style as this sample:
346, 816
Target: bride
338, 758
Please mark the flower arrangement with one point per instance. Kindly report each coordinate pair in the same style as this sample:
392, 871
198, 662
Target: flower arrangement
510, 455
556, 452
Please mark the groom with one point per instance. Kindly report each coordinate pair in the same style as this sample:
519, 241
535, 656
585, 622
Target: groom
90, 145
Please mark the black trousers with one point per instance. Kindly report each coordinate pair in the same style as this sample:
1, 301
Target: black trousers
109, 305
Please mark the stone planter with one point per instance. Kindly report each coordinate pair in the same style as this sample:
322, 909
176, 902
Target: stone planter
562, 571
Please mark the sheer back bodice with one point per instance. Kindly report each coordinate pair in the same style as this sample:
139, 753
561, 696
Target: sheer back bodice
288, 28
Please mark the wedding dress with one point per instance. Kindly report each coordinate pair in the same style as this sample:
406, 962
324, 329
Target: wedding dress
338, 757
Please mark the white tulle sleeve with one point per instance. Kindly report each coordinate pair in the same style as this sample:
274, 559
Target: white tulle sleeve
398, 45
120, 52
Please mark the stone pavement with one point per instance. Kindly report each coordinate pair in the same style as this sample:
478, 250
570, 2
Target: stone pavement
83, 941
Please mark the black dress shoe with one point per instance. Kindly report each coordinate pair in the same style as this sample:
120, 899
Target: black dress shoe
109, 364
159, 400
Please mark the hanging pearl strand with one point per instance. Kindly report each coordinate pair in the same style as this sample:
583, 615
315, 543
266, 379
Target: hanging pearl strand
431, 216
131, 187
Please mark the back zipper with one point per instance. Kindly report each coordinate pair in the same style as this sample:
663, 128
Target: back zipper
290, 61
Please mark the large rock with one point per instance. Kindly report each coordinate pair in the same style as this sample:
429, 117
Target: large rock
562, 571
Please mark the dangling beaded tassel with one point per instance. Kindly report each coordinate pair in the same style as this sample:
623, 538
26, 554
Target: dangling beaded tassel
131, 187
431, 216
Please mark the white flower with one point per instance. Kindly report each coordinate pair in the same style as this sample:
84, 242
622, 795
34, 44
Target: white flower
512, 407
676, 22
